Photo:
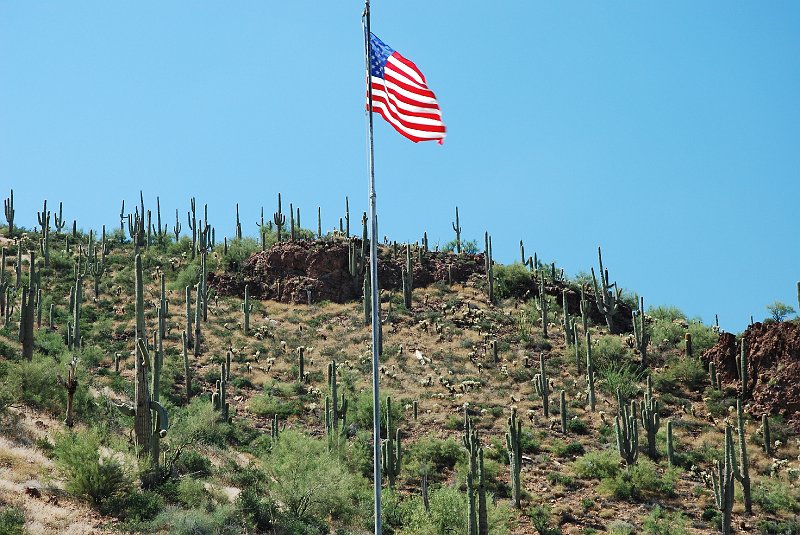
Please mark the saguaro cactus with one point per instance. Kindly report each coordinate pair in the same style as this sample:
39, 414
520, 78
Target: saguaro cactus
563, 410
477, 523
607, 300
542, 304
766, 435
70, 384
489, 266
567, 322
150, 417
279, 219
457, 229
722, 479
514, 447
627, 428
391, 449
743, 468
247, 307
407, 275
742, 365
542, 384
187, 371
590, 371
8, 209
27, 310
651, 420
219, 399
335, 408
640, 334
670, 445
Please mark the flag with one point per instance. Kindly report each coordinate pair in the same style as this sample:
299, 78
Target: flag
401, 94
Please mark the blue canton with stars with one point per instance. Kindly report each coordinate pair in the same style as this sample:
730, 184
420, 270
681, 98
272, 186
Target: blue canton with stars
378, 54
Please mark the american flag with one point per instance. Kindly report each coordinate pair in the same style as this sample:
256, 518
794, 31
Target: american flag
401, 95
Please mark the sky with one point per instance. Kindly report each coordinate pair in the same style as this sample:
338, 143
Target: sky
666, 132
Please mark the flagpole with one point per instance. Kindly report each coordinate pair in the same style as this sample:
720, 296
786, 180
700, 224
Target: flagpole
376, 305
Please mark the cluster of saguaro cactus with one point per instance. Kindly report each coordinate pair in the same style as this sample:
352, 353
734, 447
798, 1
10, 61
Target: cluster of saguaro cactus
391, 449
722, 479
542, 304
219, 399
542, 384
607, 300
651, 419
335, 408
627, 429
8, 209
477, 518
489, 266
247, 307
456, 228
150, 417
27, 307
70, 384
641, 335
514, 448
407, 274
589, 371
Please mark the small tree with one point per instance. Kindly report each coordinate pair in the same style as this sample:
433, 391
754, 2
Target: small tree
779, 310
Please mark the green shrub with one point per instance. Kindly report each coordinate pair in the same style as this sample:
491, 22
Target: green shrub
361, 411
542, 519
467, 247
703, 337
558, 478
194, 464
680, 373
778, 527
608, 351
620, 376
666, 313
567, 449
640, 481
577, 426
89, 475
239, 250
12, 521
775, 496
266, 404
134, 506
597, 465
661, 522
224, 520
259, 511
432, 455
667, 333
308, 481
447, 514
511, 280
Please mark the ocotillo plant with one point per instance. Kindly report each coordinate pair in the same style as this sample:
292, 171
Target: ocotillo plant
514, 447
279, 219
457, 229
742, 364
148, 430
640, 334
722, 479
8, 209
335, 408
391, 449
607, 301
70, 384
742, 471
247, 307
27, 311
766, 435
627, 429
542, 304
407, 274
651, 420
590, 370
542, 384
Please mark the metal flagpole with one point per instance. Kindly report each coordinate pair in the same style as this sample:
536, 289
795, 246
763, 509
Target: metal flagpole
373, 268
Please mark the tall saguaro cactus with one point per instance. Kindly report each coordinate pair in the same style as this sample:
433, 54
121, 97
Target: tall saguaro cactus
627, 429
742, 365
640, 334
607, 300
247, 308
391, 450
279, 219
542, 384
27, 309
514, 447
722, 479
335, 408
489, 266
743, 468
150, 420
651, 420
8, 209
70, 384
457, 229
407, 274
477, 523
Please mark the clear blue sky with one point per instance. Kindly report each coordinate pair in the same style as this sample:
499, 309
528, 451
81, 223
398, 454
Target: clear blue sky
668, 133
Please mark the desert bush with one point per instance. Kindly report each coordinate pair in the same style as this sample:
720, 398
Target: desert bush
608, 352
597, 465
224, 520
511, 280
88, 473
541, 517
683, 372
239, 250
447, 514
308, 481
775, 496
467, 246
194, 463
361, 411
640, 481
666, 313
12, 521
703, 337
622, 377
260, 512
567, 449
433, 455
266, 404
661, 522
134, 506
